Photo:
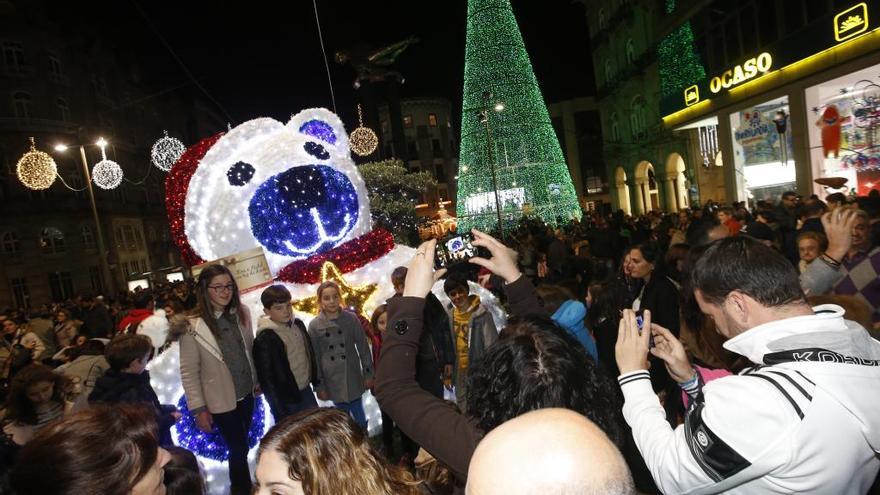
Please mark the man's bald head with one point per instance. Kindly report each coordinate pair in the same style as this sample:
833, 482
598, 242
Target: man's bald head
548, 451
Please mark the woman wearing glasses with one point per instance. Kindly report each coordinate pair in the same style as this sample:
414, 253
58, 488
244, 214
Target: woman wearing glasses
216, 368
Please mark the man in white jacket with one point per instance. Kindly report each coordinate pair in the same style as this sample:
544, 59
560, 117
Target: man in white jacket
804, 419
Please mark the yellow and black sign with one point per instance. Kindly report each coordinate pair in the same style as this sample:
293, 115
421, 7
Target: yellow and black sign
851, 22
741, 73
692, 95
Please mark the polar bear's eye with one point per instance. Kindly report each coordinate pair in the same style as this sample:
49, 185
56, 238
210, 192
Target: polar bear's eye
316, 150
240, 174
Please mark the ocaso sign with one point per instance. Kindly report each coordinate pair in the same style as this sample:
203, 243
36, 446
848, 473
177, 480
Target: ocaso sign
741, 73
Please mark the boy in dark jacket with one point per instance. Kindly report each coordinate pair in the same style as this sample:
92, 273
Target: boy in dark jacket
127, 381
283, 356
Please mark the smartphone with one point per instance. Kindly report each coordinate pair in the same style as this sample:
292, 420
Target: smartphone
641, 322
454, 249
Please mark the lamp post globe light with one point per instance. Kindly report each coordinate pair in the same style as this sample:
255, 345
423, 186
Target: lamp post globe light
110, 286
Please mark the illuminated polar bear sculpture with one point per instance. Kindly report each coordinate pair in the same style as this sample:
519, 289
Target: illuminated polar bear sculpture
294, 190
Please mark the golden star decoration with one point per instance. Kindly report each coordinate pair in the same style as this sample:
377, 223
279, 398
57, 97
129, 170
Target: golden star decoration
354, 297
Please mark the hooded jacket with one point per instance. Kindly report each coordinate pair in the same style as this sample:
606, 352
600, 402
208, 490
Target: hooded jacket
570, 316
273, 368
803, 420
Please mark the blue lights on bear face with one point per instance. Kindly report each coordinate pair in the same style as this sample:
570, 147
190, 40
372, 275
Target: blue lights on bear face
304, 210
240, 174
320, 130
316, 150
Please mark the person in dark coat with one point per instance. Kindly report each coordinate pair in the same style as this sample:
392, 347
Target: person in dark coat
127, 381
283, 356
97, 322
659, 295
436, 353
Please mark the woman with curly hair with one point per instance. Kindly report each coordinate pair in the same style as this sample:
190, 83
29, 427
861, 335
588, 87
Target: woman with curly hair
323, 451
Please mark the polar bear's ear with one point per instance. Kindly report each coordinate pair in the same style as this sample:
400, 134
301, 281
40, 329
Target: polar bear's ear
321, 125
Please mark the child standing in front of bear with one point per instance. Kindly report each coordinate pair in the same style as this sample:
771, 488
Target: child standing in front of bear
342, 355
283, 356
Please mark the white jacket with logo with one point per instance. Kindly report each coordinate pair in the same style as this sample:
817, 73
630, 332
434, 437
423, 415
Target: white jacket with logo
806, 419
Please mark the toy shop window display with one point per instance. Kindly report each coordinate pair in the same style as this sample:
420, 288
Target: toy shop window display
845, 140
762, 150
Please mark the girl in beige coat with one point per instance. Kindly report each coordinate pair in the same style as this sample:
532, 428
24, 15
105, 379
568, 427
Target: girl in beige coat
217, 371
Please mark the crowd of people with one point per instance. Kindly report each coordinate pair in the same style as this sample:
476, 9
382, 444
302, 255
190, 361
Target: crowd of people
743, 343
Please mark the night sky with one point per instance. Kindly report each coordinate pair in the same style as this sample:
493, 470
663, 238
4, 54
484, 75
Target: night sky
266, 60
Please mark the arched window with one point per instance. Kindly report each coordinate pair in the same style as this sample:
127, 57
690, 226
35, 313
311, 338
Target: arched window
11, 246
63, 109
87, 237
52, 240
630, 51
602, 22
615, 128
637, 116
21, 102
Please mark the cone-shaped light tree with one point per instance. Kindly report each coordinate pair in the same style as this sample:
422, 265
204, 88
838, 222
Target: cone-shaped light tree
505, 123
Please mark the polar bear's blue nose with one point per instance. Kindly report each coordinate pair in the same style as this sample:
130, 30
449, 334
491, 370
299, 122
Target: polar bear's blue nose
304, 210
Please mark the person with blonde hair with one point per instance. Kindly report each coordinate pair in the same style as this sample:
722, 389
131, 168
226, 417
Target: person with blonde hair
323, 451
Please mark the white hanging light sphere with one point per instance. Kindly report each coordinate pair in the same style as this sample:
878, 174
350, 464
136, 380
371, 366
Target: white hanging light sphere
166, 151
107, 174
363, 141
36, 170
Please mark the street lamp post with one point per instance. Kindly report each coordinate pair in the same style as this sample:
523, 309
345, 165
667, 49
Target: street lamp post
102, 250
483, 115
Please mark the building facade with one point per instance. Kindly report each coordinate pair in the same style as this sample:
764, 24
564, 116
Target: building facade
431, 146
578, 127
61, 87
648, 166
791, 95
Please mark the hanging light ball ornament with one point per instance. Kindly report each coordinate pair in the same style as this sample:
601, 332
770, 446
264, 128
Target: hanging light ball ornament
107, 174
166, 151
36, 169
363, 140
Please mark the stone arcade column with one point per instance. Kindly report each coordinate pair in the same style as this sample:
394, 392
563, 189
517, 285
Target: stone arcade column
640, 191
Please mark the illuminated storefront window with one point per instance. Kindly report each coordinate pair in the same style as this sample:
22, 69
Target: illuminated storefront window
845, 140
762, 150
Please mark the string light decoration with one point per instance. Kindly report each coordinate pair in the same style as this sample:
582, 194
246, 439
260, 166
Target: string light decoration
176, 187
212, 445
679, 62
525, 148
363, 140
223, 197
36, 169
243, 170
107, 174
354, 297
210, 449
166, 151
348, 257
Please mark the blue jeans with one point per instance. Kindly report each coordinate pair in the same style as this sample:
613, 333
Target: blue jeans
355, 409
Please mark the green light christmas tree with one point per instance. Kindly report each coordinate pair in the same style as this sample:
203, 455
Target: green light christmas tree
530, 169
680, 64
